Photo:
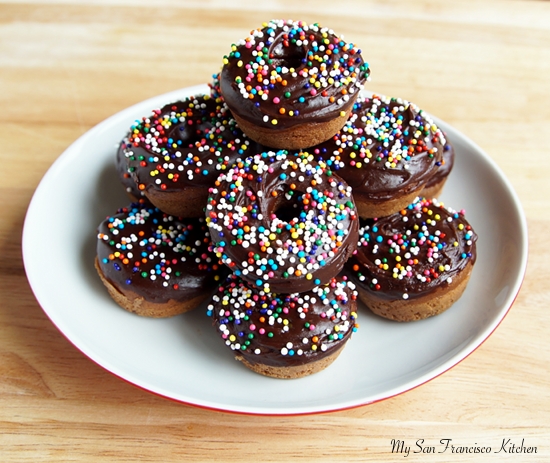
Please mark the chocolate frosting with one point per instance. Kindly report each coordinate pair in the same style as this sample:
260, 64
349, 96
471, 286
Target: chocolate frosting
284, 329
387, 147
412, 253
445, 168
288, 73
125, 177
185, 143
157, 256
282, 222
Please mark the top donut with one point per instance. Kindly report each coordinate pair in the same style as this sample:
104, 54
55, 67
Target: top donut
292, 85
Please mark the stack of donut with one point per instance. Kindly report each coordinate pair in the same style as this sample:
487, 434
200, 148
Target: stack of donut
282, 196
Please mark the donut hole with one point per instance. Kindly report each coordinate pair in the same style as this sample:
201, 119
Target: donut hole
189, 132
290, 56
287, 212
287, 209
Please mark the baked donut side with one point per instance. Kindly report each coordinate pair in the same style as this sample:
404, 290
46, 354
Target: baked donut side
154, 264
175, 154
290, 84
285, 335
387, 152
282, 221
415, 263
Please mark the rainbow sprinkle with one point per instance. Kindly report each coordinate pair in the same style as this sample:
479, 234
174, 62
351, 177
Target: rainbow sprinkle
280, 327
140, 247
412, 251
184, 143
285, 68
276, 216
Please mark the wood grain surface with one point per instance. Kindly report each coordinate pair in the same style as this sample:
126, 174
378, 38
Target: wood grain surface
483, 66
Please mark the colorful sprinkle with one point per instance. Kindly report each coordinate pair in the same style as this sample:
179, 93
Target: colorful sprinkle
409, 253
298, 219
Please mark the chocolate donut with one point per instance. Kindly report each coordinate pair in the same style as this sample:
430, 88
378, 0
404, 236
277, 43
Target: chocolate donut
291, 85
175, 154
282, 221
415, 263
387, 151
154, 264
285, 335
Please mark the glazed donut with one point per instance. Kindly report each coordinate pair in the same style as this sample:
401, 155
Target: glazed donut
175, 154
434, 186
285, 335
291, 85
282, 221
387, 151
415, 263
154, 264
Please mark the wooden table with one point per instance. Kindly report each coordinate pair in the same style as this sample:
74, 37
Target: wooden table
64, 66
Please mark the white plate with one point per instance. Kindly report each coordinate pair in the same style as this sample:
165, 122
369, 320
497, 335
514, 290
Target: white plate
183, 359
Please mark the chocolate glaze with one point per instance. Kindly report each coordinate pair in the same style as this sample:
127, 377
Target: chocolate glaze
160, 257
282, 222
380, 153
447, 163
185, 143
278, 61
440, 240
125, 177
284, 329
